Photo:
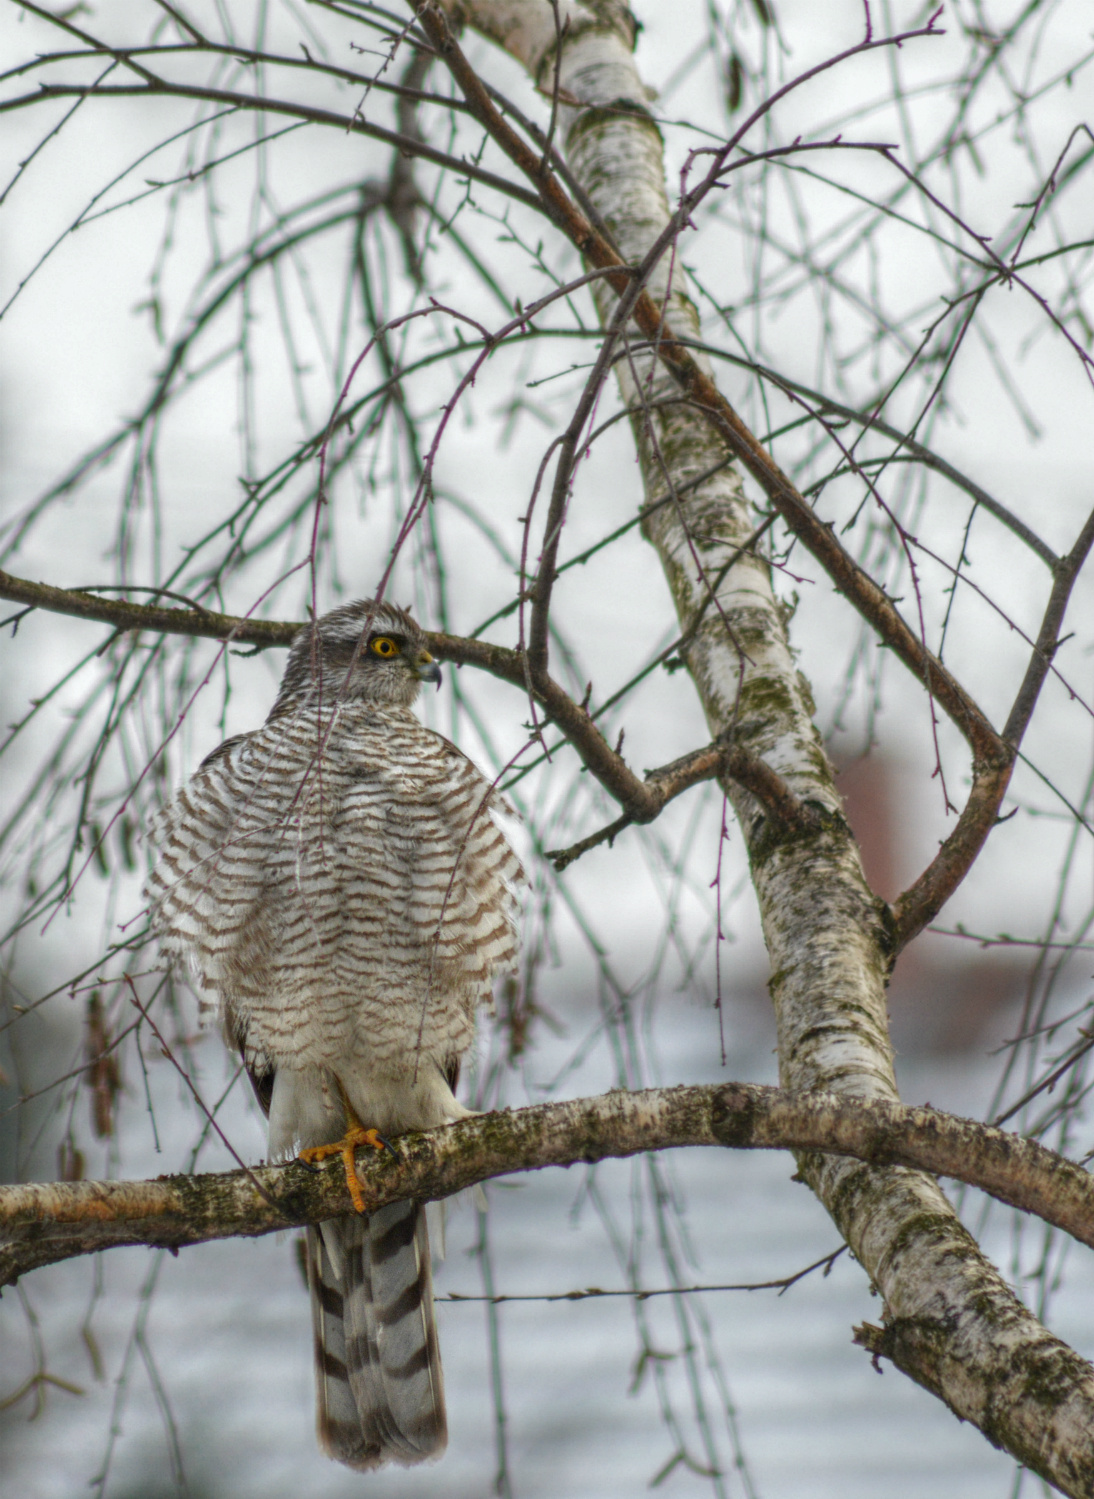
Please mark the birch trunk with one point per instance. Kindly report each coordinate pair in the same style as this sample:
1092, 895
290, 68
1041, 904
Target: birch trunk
949, 1319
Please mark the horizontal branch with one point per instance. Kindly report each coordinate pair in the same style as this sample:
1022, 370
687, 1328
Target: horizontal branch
41, 1223
124, 615
266, 634
641, 800
348, 124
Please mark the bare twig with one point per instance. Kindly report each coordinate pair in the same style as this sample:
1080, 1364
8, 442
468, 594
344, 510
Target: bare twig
174, 89
783, 1284
718, 759
123, 615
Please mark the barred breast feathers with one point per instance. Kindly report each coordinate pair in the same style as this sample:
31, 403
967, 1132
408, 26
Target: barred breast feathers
315, 835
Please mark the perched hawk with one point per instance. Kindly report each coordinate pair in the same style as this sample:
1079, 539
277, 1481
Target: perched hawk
338, 882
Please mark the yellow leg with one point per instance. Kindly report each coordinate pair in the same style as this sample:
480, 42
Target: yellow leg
356, 1135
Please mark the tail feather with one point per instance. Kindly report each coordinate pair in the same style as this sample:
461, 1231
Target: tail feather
378, 1366
337, 1419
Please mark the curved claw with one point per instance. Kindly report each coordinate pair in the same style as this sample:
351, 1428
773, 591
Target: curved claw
346, 1147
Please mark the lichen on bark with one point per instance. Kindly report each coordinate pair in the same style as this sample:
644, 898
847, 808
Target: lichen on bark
828, 937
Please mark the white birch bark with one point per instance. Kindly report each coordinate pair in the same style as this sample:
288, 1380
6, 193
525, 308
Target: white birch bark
950, 1320
44, 1222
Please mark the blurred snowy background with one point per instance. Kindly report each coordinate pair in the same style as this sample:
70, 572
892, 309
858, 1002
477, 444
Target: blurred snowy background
168, 1376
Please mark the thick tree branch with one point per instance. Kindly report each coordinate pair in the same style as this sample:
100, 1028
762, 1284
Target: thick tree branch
1035, 1392
41, 1222
1035, 1397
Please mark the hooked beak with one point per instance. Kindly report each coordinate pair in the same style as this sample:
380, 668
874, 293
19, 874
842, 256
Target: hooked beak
427, 670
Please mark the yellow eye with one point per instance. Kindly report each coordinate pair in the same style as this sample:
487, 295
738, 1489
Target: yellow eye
385, 647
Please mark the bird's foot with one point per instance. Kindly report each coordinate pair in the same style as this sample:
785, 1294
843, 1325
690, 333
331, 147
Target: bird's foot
355, 1136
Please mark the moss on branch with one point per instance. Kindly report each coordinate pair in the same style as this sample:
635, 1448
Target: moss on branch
41, 1222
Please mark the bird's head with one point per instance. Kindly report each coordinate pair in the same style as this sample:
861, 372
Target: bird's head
370, 652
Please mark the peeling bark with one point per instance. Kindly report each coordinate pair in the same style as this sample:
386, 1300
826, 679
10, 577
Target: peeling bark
830, 940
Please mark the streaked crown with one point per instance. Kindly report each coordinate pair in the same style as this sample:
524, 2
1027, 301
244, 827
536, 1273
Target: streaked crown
366, 650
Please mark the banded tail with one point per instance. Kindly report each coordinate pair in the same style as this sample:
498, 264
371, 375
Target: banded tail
379, 1386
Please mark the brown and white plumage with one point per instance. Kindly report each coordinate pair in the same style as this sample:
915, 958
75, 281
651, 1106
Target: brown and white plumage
338, 881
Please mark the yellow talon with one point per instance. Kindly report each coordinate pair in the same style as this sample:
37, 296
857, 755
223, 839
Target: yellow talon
356, 1135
